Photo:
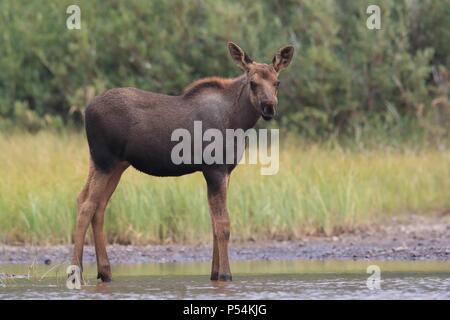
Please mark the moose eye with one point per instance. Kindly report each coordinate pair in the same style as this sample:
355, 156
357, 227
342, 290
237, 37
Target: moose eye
253, 85
277, 84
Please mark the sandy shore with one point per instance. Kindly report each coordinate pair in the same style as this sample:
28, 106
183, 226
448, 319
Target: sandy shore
412, 238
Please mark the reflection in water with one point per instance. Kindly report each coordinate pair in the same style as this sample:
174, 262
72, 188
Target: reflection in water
252, 280
102, 287
222, 288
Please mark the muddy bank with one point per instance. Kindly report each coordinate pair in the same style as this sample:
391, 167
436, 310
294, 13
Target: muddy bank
412, 238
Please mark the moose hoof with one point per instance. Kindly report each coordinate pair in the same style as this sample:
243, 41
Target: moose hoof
104, 277
225, 277
214, 276
73, 277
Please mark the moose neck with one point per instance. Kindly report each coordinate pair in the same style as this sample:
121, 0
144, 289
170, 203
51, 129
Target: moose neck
243, 115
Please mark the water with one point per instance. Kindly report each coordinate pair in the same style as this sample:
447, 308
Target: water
252, 280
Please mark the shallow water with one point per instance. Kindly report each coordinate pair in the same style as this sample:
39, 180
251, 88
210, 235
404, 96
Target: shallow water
251, 280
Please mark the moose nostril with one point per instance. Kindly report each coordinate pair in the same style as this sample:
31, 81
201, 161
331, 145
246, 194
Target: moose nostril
268, 108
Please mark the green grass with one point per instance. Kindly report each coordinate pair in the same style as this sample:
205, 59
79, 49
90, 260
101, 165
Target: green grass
317, 190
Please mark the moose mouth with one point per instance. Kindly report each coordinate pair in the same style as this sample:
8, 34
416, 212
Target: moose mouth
268, 113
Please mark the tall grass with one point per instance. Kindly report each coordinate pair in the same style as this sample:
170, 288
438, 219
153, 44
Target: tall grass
318, 189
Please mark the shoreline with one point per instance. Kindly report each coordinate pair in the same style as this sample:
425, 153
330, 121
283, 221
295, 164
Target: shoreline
411, 238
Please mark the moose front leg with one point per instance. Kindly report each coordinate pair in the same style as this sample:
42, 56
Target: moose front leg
215, 259
217, 200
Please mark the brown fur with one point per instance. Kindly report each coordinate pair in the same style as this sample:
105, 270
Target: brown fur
199, 86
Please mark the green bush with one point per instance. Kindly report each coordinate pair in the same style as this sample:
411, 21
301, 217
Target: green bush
344, 78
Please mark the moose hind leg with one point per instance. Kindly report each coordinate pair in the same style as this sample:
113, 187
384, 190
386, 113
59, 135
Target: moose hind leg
88, 203
103, 265
82, 222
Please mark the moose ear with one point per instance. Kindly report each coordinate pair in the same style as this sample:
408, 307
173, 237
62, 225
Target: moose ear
239, 55
283, 58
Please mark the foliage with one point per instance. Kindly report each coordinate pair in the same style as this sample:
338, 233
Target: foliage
318, 190
344, 78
